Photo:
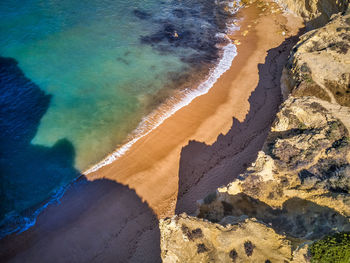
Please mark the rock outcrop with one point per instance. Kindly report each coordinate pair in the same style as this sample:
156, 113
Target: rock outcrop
300, 182
188, 239
297, 190
316, 13
320, 63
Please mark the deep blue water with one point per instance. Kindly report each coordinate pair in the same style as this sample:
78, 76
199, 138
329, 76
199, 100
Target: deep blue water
76, 77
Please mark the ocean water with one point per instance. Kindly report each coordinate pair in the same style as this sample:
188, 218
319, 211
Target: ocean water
80, 79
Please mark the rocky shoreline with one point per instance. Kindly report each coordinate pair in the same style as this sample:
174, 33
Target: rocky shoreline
297, 190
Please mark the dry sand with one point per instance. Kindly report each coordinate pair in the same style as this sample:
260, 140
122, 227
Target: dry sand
111, 216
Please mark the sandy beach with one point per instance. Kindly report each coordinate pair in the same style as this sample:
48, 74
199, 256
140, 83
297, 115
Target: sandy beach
151, 167
111, 215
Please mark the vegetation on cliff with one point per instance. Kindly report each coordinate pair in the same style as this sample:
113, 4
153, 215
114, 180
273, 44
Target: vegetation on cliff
335, 248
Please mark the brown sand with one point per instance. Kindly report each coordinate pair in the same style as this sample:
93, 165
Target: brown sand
151, 166
112, 216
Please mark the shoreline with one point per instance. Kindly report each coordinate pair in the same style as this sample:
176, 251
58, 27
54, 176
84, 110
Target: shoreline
115, 209
186, 97
181, 99
203, 120
147, 124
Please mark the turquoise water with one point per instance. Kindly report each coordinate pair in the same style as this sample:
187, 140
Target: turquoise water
91, 61
78, 76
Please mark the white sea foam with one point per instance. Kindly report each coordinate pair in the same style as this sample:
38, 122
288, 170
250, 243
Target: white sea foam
152, 121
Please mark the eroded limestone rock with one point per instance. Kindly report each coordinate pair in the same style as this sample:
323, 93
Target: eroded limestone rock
316, 13
296, 192
320, 63
299, 185
189, 239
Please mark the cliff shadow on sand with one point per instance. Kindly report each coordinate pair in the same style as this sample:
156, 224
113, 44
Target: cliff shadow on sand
99, 221
203, 168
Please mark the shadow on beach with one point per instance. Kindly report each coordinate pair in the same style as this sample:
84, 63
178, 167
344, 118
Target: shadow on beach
203, 168
99, 221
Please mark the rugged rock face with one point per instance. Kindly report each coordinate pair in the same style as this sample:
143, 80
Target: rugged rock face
316, 13
188, 239
297, 191
300, 182
320, 63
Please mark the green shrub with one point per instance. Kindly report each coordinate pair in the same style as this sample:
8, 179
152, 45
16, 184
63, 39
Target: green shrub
335, 249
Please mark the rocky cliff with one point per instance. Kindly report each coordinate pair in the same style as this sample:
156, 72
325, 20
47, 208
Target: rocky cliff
316, 13
320, 63
295, 193
297, 190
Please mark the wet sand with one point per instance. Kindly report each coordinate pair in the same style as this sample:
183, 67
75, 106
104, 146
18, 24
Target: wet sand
111, 215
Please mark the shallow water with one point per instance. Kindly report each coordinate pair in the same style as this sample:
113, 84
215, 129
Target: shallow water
76, 77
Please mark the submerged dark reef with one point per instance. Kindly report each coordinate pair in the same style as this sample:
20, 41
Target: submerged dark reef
194, 32
196, 28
